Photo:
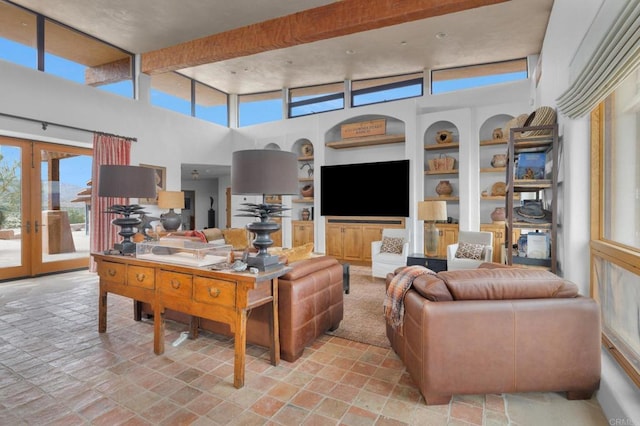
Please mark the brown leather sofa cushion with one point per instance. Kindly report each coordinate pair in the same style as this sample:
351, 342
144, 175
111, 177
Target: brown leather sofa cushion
493, 284
506, 283
432, 288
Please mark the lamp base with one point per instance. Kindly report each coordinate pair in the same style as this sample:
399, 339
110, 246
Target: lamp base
127, 225
171, 221
263, 260
431, 239
263, 263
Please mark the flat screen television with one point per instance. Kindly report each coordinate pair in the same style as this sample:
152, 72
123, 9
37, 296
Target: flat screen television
365, 189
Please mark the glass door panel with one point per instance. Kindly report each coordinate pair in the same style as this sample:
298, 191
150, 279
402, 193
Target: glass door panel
63, 222
14, 259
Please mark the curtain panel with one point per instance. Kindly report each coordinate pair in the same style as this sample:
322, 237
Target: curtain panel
614, 59
107, 149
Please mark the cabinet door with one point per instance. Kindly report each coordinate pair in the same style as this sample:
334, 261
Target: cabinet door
352, 243
369, 235
498, 240
448, 235
333, 237
302, 233
277, 236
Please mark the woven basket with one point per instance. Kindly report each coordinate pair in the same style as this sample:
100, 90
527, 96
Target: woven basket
442, 164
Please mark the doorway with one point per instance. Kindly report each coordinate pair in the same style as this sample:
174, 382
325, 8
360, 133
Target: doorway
45, 198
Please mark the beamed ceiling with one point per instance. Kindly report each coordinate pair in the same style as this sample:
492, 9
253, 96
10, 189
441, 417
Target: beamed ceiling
249, 46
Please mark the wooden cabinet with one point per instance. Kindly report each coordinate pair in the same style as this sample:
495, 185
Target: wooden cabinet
499, 239
302, 232
349, 239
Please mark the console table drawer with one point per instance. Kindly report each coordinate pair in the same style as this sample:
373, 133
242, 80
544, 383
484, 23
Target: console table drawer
138, 276
113, 272
214, 291
175, 284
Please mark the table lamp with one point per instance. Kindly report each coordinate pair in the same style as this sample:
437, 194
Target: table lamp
263, 172
126, 182
431, 211
171, 200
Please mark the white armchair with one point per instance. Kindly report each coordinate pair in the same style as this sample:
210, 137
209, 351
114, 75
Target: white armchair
467, 262
388, 255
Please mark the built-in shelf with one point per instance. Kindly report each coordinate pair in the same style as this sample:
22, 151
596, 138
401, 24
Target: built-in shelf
306, 158
441, 146
493, 142
366, 141
493, 169
303, 200
441, 172
439, 198
307, 179
498, 197
529, 184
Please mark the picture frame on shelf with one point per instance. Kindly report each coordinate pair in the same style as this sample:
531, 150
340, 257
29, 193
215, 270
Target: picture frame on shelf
161, 183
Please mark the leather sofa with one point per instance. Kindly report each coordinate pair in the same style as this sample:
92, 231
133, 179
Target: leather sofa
498, 330
310, 302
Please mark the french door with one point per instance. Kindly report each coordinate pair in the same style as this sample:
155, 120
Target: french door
44, 207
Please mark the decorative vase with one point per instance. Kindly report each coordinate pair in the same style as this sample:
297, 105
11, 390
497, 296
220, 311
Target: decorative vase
498, 215
306, 149
499, 160
444, 188
444, 136
305, 213
307, 191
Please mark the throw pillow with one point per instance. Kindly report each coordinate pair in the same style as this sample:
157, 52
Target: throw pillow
293, 254
469, 251
392, 245
236, 237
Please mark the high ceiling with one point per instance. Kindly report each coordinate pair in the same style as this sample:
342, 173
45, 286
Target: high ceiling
259, 45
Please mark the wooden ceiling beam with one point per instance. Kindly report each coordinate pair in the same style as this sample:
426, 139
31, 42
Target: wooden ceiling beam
334, 20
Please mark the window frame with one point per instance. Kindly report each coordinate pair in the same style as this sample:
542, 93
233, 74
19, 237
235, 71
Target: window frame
316, 100
386, 86
479, 72
623, 256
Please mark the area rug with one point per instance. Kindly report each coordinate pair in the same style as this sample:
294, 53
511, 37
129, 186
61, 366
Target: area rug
363, 315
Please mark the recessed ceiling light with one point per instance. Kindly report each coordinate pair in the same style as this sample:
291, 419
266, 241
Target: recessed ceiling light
403, 43
441, 35
349, 52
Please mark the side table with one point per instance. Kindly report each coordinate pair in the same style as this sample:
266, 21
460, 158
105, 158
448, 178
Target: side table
436, 264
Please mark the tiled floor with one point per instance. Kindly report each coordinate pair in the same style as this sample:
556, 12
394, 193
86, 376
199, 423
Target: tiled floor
55, 368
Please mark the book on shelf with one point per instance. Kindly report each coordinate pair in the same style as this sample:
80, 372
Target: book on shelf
531, 165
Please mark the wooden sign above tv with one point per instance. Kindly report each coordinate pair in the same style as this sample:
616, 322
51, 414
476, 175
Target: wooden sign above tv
363, 128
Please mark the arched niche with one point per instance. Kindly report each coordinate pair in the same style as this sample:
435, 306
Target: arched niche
303, 147
443, 125
493, 123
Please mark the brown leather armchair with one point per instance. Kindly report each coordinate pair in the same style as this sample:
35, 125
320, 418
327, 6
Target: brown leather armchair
310, 302
500, 330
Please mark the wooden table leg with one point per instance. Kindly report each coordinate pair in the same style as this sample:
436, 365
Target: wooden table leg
158, 330
137, 310
194, 326
274, 325
240, 346
102, 309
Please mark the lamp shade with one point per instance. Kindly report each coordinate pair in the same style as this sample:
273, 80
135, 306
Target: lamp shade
432, 210
264, 171
171, 199
126, 181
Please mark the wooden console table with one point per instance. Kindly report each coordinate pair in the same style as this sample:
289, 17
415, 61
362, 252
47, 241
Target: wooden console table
220, 296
